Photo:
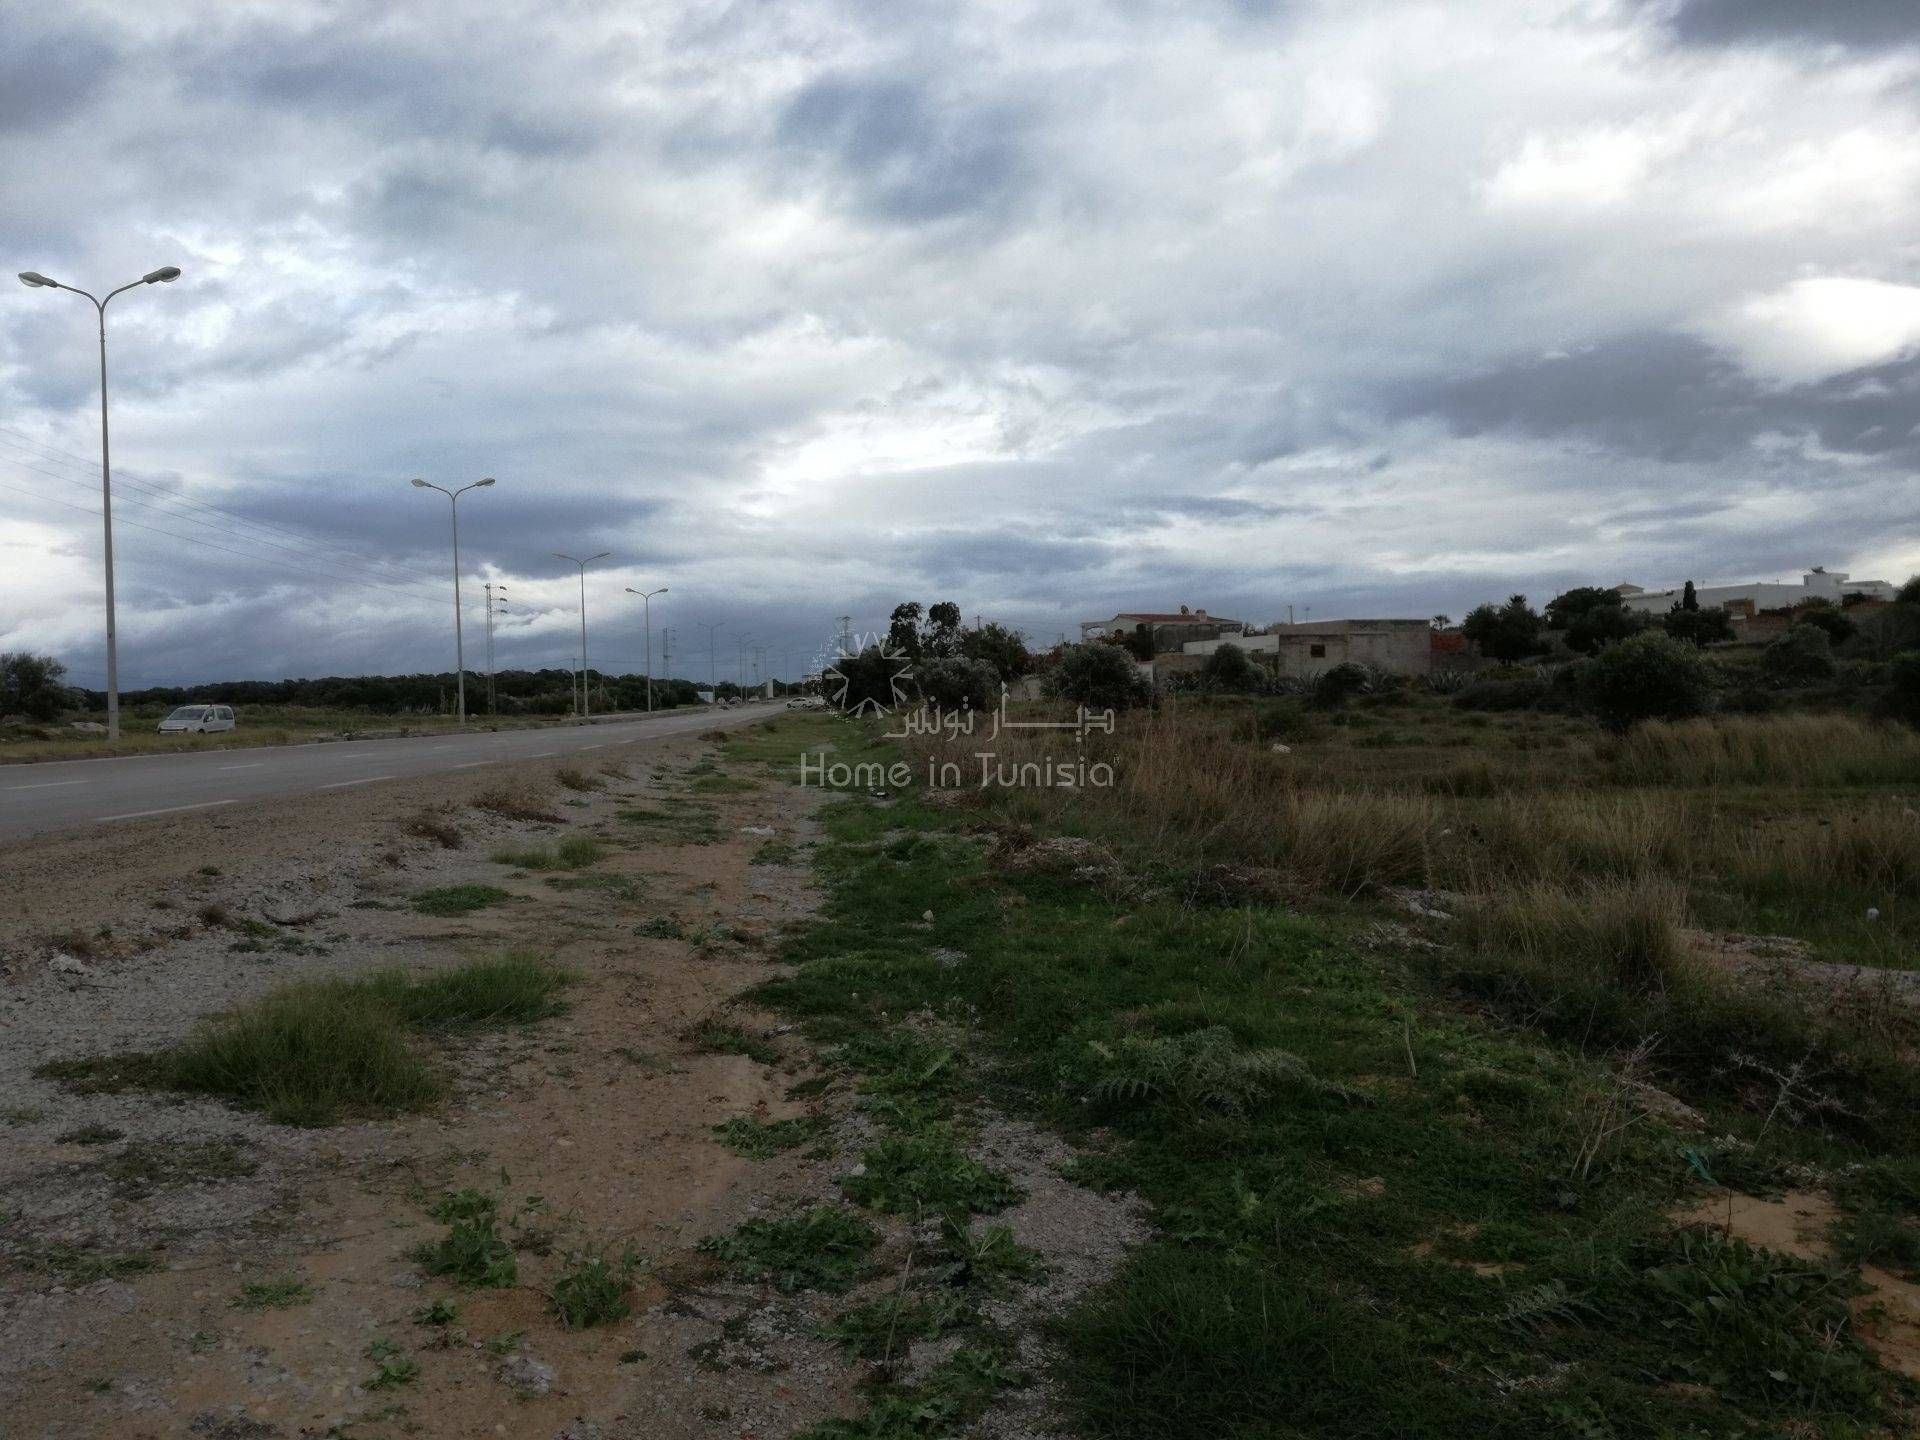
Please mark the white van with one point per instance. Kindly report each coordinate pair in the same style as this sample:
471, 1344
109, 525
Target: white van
198, 720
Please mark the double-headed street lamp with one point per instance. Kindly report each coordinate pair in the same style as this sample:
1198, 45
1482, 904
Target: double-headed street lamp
712, 627
646, 604
586, 707
459, 643
36, 280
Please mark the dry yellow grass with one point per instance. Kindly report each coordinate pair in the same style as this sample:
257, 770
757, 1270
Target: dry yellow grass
1775, 750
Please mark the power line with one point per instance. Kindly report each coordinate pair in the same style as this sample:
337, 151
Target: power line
387, 569
208, 544
420, 589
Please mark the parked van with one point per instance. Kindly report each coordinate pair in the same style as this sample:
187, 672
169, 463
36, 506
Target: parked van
198, 720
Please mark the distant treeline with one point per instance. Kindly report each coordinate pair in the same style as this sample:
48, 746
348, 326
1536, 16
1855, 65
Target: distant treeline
516, 692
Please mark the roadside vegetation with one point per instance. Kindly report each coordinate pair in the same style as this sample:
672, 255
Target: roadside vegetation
1420, 1035
315, 1053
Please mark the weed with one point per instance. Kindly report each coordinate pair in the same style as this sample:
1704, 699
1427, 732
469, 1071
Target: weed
505, 1343
989, 1259
688, 825
775, 852
762, 1139
576, 779
885, 1327
660, 927
946, 1402
926, 1172
1204, 1068
823, 1249
282, 1292
1877, 1237
395, 1370
457, 899
471, 1254
437, 1312
146, 1165
437, 826
515, 805
1601, 932
594, 1290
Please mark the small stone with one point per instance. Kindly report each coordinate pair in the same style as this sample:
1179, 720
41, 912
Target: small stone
525, 1375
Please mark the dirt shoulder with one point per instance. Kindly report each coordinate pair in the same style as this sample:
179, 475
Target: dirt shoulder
135, 1220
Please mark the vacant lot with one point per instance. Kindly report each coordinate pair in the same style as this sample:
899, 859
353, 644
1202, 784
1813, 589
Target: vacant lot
1483, 1075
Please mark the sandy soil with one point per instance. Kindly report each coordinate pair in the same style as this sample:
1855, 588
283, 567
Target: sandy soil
594, 1128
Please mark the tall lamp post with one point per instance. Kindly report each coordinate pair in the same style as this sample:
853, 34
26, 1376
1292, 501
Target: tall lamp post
586, 706
37, 281
712, 627
459, 641
646, 607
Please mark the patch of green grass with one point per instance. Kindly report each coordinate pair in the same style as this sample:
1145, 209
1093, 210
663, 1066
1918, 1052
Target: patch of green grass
661, 927
1877, 1236
721, 785
776, 852
442, 1311
763, 1139
626, 888
281, 1292
823, 1249
307, 1054
928, 1171
725, 1038
24, 1115
572, 853
457, 899
952, 1396
595, 1290
81, 1265
393, 1371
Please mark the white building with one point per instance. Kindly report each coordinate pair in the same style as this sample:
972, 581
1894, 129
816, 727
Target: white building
1818, 583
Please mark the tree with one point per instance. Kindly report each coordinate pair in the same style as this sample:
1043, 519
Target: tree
1442, 622
1688, 599
1697, 627
1909, 593
1098, 676
30, 685
1229, 669
994, 644
1568, 607
1507, 632
1649, 676
868, 682
958, 684
903, 630
1799, 657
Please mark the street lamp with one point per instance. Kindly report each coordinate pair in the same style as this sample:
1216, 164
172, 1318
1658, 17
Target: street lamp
713, 669
33, 279
459, 643
586, 707
646, 605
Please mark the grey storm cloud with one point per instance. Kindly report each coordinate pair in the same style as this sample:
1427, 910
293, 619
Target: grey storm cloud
803, 310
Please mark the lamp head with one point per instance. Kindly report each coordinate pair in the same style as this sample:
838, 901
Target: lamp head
482, 484
36, 279
418, 483
161, 276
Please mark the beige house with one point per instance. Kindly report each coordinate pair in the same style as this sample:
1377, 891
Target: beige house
1398, 647
1169, 629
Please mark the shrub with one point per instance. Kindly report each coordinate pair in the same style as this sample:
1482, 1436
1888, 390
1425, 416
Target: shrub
1903, 688
574, 778
471, 1253
1649, 677
1698, 627
30, 686
457, 899
1623, 932
1799, 657
1506, 632
957, 684
1501, 694
515, 805
1229, 669
1098, 676
1342, 683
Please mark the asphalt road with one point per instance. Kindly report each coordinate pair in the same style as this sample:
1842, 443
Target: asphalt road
70, 794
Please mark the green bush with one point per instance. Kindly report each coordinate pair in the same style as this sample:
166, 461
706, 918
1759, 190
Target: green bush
956, 685
1502, 694
1099, 676
1903, 688
1648, 677
1229, 669
1801, 656
1341, 684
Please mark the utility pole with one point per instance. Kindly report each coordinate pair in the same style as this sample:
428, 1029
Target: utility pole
34, 280
459, 643
846, 634
495, 601
646, 602
586, 706
713, 670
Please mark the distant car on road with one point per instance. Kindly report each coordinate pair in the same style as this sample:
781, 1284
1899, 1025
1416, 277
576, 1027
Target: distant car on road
197, 720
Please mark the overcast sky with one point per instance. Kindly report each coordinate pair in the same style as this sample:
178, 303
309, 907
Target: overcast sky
1051, 309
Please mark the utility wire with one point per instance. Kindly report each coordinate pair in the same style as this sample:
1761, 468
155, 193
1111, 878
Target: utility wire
387, 569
